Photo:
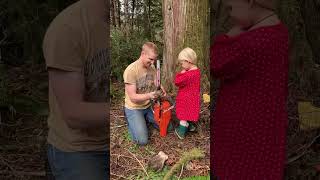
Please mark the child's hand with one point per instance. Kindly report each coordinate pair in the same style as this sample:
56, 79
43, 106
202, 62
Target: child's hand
235, 30
163, 91
183, 71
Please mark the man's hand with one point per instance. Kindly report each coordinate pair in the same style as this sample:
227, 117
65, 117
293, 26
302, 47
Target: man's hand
153, 95
138, 98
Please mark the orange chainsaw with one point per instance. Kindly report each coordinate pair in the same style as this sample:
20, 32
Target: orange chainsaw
162, 107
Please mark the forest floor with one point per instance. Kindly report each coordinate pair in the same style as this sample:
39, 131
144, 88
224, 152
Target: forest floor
129, 161
23, 127
23, 140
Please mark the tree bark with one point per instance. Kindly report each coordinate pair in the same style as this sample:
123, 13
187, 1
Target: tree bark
186, 24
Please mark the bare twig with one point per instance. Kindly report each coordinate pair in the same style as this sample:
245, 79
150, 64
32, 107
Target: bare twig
119, 126
4, 161
139, 163
120, 155
181, 171
290, 160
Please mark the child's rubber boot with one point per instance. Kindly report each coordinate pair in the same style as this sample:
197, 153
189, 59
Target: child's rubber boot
192, 127
181, 131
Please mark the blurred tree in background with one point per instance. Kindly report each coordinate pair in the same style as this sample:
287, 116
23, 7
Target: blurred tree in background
133, 23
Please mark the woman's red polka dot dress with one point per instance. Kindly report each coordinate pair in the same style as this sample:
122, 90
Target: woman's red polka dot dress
249, 124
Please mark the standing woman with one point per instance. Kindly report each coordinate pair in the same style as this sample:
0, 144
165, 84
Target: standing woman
250, 120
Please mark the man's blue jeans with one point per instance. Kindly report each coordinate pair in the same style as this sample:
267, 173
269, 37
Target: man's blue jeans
137, 120
89, 165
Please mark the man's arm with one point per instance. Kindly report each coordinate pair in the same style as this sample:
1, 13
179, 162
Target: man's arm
138, 98
68, 87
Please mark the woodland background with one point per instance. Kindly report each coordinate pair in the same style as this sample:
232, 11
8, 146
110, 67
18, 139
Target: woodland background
172, 25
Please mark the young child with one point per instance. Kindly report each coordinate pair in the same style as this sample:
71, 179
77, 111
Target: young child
188, 97
249, 124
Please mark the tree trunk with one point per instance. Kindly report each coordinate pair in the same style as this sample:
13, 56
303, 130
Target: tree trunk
118, 12
126, 26
186, 24
146, 16
149, 18
302, 18
133, 13
113, 13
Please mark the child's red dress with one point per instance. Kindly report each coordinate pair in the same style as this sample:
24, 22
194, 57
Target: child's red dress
188, 97
249, 124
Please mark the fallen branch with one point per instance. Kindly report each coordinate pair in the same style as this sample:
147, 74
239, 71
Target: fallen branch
290, 160
181, 172
193, 154
139, 163
119, 126
119, 155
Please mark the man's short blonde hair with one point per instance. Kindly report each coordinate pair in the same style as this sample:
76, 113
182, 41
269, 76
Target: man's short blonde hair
150, 46
188, 54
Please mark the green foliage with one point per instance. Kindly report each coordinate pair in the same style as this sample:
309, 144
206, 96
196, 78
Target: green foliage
125, 50
127, 135
23, 25
116, 93
127, 40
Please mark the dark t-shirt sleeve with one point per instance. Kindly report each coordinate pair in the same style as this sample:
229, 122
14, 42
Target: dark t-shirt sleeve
62, 49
